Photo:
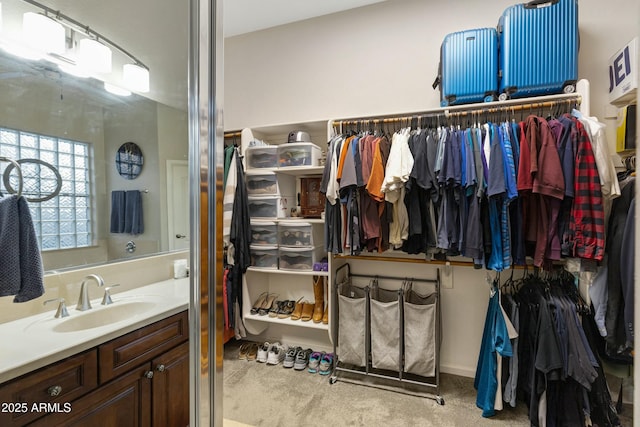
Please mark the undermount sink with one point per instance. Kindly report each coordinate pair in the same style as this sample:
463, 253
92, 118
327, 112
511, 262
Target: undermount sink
97, 317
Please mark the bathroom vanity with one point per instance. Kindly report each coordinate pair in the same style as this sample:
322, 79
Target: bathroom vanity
132, 370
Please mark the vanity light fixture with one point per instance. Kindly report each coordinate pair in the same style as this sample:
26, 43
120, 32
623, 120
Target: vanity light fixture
43, 33
77, 49
136, 77
94, 56
116, 90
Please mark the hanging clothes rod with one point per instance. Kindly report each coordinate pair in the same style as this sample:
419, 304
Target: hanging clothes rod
233, 134
18, 171
509, 106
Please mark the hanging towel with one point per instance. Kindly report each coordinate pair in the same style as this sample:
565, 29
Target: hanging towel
133, 221
21, 272
117, 211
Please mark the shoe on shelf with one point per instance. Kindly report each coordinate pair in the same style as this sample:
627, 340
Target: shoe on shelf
307, 311
268, 303
297, 312
244, 349
263, 352
326, 364
287, 309
276, 354
290, 357
325, 316
252, 353
318, 293
314, 361
259, 302
302, 359
276, 307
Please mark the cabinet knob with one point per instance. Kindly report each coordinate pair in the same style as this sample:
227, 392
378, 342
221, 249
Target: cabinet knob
148, 374
160, 368
54, 390
180, 236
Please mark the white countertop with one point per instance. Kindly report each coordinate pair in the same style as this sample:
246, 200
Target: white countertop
31, 343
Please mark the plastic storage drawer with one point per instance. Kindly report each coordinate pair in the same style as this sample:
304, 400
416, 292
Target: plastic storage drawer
261, 184
298, 154
264, 257
265, 183
300, 259
296, 234
270, 207
262, 157
264, 233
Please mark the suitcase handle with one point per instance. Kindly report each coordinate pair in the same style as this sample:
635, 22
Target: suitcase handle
537, 4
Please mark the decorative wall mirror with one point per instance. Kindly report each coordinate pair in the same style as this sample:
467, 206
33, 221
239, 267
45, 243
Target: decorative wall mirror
129, 160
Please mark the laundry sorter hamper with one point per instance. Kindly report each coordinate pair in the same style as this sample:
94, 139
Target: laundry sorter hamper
392, 334
352, 311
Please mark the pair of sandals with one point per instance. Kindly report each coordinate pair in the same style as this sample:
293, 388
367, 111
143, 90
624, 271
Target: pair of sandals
263, 304
248, 351
282, 309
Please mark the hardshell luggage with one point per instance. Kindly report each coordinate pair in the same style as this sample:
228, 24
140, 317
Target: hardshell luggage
468, 67
538, 48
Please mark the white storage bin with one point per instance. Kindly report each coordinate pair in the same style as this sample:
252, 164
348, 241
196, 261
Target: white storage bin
264, 233
262, 157
297, 234
270, 207
299, 259
265, 183
298, 154
261, 183
264, 257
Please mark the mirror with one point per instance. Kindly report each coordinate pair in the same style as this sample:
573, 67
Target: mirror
129, 160
74, 124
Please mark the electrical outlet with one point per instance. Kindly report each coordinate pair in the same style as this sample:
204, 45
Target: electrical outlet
446, 276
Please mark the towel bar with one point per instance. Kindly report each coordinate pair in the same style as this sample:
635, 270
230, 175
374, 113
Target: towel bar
18, 170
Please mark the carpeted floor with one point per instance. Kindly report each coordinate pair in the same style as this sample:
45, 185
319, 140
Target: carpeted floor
264, 395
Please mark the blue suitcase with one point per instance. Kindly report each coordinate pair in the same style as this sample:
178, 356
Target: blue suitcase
538, 48
468, 67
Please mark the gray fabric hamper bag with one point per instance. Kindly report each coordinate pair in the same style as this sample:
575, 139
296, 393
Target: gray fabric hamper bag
420, 334
352, 325
385, 329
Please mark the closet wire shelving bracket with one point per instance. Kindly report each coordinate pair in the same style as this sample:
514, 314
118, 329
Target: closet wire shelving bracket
368, 370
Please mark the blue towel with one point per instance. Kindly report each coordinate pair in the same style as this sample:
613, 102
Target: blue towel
117, 211
133, 221
21, 272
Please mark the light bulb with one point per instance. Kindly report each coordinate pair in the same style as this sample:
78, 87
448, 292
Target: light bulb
135, 77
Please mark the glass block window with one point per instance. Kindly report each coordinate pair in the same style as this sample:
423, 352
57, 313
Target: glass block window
63, 221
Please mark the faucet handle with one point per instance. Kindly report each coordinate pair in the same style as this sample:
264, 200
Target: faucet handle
106, 299
62, 308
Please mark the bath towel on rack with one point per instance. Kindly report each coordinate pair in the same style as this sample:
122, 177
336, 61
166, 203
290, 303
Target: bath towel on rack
126, 212
117, 211
21, 272
133, 222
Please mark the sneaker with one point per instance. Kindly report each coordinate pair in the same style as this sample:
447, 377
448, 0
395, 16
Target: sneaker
326, 363
302, 358
290, 357
263, 351
314, 361
276, 354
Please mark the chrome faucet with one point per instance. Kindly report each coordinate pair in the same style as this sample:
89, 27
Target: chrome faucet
83, 300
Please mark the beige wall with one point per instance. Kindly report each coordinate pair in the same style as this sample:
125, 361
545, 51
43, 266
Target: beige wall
382, 59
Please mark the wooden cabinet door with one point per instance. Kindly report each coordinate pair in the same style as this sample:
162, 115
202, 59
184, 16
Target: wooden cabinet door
123, 402
170, 394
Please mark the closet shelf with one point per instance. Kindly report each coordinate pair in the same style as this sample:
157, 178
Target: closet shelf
288, 322
289, 272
